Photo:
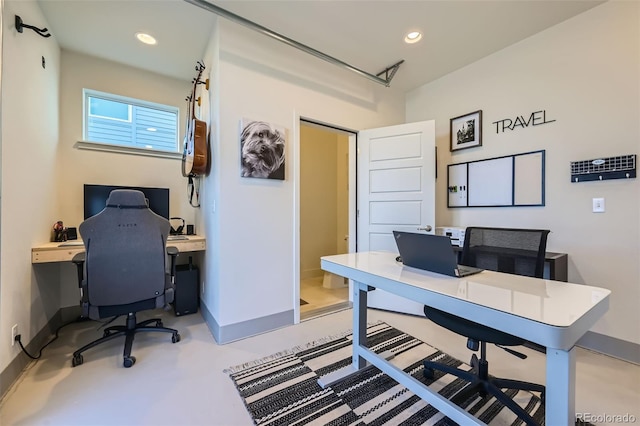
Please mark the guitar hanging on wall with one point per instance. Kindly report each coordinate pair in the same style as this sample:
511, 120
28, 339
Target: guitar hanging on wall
195, 156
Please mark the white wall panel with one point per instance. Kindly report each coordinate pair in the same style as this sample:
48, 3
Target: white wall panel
395, 213
393, 180
395, 147
382, 242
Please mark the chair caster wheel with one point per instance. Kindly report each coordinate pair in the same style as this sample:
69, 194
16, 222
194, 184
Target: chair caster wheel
129, 361
77, 360
428, 373
175, 338
159, 324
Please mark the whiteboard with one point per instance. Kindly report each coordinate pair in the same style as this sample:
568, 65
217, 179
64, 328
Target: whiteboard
457, 186
491, 182
528, 179
509, 181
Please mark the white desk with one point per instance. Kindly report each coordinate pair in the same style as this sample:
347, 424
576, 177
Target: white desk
553, 314
59, 252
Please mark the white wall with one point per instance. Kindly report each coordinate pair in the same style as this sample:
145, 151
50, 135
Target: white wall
252, 230
79, 71
78, 167
585, 73
29, 203
43, 174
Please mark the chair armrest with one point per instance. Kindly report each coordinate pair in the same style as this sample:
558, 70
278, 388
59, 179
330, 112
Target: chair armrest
79, 260
173, 253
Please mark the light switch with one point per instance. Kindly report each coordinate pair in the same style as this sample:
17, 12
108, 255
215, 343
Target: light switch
598, 205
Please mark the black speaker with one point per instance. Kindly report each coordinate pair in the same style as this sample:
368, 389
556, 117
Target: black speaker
72, 234
190, 230
186, 297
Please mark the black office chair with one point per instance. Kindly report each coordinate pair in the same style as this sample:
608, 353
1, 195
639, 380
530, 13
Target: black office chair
514, 251
124, 270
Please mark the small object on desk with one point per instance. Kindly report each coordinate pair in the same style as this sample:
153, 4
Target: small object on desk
176, 237
59, 232
177, 230
72, 233
71, 244
190, 230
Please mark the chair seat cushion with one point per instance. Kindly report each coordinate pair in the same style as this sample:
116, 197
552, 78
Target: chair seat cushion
470, 329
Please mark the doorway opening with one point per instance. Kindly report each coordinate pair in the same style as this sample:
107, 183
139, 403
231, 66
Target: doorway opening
326, 191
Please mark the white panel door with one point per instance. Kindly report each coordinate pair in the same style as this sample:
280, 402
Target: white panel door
396, 183
396, 191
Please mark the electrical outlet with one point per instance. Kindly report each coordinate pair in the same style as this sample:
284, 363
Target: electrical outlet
14, 333
598, 205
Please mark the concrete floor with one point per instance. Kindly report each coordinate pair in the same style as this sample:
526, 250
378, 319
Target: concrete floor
184, 383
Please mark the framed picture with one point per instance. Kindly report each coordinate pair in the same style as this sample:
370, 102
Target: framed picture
262, 149
466, 131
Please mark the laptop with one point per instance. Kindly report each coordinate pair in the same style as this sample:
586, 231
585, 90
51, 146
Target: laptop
432, 253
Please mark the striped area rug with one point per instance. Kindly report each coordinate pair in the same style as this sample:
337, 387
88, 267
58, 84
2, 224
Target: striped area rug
282, 389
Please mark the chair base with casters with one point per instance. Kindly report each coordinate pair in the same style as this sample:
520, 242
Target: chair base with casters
128, 331
478, 377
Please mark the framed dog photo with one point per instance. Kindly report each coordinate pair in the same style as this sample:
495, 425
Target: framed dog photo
466, 131
262, 149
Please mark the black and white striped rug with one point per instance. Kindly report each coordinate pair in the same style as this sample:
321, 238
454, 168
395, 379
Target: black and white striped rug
282, 389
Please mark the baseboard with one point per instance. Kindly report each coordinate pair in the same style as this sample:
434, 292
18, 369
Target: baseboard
241, 330
12, 372
311, 273
617, 348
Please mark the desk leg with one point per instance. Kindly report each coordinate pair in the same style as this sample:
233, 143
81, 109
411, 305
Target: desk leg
359, 338
359, 323
560, 387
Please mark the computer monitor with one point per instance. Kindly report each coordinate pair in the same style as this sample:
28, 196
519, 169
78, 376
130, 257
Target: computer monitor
95, 198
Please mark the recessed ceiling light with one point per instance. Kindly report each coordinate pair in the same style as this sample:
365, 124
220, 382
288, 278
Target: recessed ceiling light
146, 38
413, 37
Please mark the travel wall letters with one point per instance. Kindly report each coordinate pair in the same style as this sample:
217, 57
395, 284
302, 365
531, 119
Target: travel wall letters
536, 118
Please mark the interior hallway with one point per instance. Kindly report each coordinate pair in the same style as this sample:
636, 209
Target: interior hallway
184, 383
320, 300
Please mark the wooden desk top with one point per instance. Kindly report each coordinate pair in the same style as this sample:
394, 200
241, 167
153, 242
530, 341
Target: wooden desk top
59, 252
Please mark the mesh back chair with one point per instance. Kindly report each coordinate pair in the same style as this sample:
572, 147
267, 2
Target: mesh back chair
513, 251
124, 269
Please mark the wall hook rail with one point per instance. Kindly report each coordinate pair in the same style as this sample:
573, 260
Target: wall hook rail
40, 31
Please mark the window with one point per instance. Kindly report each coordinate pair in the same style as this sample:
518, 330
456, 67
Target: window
132, 123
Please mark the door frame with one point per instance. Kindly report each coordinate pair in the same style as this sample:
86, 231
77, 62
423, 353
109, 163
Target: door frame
352, 135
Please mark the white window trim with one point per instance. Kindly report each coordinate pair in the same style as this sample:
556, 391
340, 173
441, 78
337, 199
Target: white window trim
101, 146
121, 149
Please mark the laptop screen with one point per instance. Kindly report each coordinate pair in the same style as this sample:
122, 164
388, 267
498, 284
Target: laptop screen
426, 251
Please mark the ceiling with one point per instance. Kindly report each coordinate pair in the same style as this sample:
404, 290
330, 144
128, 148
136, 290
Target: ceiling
365, 34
